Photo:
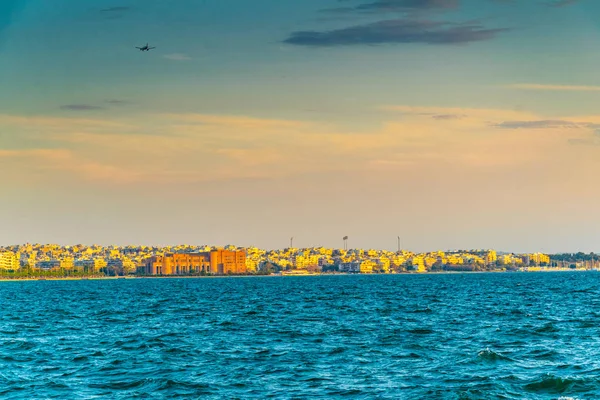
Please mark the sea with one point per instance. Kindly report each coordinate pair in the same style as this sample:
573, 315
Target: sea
435, 336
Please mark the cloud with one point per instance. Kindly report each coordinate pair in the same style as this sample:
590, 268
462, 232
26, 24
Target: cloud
498, 118
55, 162
479, 114
118, 102
399, 31
562, 3
594, 140
447, 116
52, 154
177, 57
117, 9
179, 149
536, 86
585, 142
81, 107
233, 121
400, 5
540, 124
92, 107
187, 148
550, 3
60, 124
111, 13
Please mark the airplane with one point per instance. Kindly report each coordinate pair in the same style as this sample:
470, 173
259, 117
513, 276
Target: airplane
145, 48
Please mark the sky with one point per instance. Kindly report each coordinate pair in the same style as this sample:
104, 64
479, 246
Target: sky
454, 124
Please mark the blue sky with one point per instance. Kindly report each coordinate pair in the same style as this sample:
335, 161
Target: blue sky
85, 51
278, 98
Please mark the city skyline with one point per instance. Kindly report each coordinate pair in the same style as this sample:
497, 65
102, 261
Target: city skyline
198, 260
174, 247
452, 124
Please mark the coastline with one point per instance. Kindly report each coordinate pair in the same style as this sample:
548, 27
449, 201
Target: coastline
105, 278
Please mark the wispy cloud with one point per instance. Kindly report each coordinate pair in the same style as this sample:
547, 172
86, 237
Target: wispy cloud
116, 9
116, 102
177, 57
536, 86
57, 162
544, 124
115, 12
39, 122
594, 140
399, 31
52, 154
484, 114
80, 107
562, 3
548, 3
498, 118
448, 116
385, 6
194, 148
234, 121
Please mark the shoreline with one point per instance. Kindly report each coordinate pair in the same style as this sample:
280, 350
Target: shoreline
104, 278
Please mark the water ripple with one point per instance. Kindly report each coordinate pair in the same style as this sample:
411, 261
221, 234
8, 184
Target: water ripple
472, 336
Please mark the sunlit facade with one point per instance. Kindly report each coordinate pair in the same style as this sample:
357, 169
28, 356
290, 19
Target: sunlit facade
216, 262
8, 261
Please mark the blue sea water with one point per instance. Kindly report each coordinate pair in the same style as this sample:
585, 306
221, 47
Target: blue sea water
463, 336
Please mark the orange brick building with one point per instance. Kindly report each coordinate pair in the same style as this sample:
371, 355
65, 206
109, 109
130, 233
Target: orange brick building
215, 262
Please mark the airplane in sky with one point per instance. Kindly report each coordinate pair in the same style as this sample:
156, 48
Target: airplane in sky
145, 48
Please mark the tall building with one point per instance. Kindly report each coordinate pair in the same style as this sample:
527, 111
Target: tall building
216, 262
9, 261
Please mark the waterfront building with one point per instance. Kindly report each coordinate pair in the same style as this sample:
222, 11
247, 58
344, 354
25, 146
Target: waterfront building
418, 263
67, 263
367, 266
350, 267
48, 264
9, 261
99, 263
216, 262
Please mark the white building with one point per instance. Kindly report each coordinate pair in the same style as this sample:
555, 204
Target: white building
351, 267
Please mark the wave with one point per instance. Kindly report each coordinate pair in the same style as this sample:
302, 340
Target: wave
544, 354
421, 331
425, 310
121, 385
547, 328
549, 383
378, 340
491, 356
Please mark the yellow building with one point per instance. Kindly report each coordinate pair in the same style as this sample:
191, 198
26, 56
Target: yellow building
454, 259
128, 265
303, 262
67, 263
491, 257
385, 263
251, 265
429, 261
367, 266
418, 263
99, 263
9, 261
539, 258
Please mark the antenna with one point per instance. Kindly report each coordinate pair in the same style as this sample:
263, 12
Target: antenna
292, 242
